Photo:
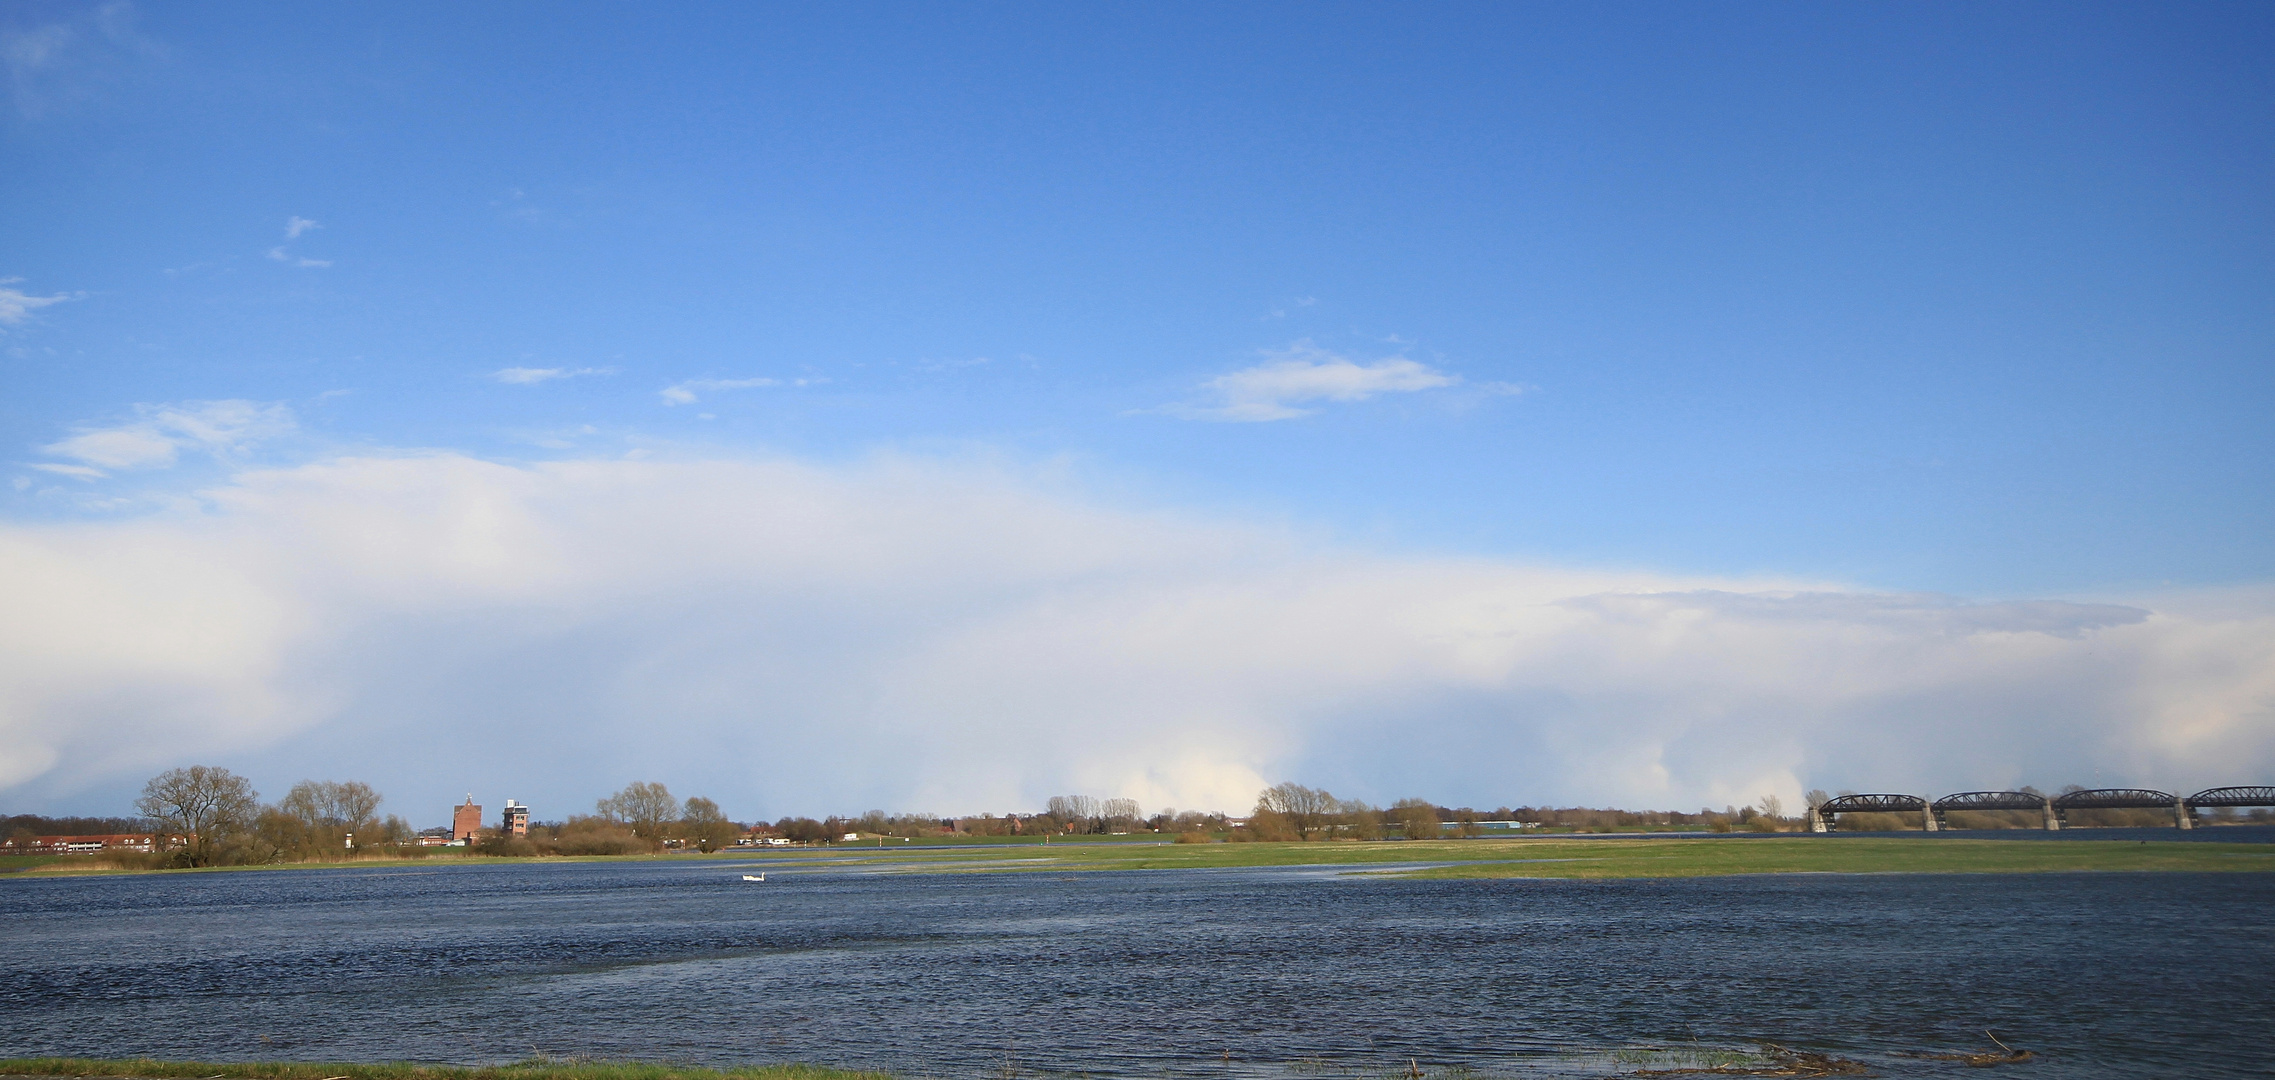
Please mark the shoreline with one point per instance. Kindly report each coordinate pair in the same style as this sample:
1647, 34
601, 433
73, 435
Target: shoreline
1556, 856
533, 1069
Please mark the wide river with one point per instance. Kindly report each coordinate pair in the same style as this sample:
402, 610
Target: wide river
1247, 974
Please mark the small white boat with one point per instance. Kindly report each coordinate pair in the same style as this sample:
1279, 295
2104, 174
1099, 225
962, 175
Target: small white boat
754, 877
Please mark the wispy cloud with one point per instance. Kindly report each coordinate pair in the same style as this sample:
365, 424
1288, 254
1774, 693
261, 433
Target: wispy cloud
528, 376
294, 226
78, 472
516, 205
1304, 373
691, 391
158, 434
283, 256
53, 64
936, 366
16, 305
1280, 311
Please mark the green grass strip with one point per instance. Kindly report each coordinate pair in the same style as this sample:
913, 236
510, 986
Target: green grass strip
534, 1069
1532, 856
1547, 857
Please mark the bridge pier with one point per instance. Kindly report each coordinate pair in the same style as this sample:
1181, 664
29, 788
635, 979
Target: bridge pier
1816, 820
2053, 821
1928, 822
2180, 815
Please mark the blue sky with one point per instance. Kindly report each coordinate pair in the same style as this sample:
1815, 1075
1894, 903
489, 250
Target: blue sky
1944, 300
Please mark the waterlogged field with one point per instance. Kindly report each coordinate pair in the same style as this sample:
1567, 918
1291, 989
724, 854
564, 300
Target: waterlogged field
1610, 857
1176, 962
1516, 857
152, 1069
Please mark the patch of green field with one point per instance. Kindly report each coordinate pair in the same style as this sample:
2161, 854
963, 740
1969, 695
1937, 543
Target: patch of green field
1816, 855
538, 1069
1511, 857
88, 865
1622, 857
12, 863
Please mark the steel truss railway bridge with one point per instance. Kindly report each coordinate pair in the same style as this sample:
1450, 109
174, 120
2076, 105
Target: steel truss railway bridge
2054, 809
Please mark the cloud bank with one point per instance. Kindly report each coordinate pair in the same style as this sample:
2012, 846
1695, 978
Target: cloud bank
910, 634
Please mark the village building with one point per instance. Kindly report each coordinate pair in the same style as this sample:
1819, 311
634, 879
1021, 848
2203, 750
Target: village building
515, 821
83, 845
465, 822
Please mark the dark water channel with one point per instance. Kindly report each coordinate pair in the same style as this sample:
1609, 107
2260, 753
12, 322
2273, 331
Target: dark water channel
1246, 973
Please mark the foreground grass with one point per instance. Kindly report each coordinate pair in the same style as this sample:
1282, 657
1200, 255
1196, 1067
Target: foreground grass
539, 1069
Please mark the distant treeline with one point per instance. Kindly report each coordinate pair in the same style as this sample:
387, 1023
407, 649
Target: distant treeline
208, 816
34, 825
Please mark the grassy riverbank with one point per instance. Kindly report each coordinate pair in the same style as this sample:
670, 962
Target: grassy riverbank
1647, 857
1516, 857
539, 1069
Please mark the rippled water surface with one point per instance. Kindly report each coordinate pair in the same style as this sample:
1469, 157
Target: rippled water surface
1245, 973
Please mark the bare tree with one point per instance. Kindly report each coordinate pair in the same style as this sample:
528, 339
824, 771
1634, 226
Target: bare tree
643, 806
1080, 811
350, 805
702, 822
314, 820
1358, 819
1308, 810
1417, 818
1772, 806
207, 806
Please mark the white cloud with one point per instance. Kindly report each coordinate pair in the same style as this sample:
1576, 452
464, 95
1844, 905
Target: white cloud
76, 472
688, 393
295, 225
1304, 373
81, 56
923, 635
16, 306
527, 376
282, 256
1281, 312
158, 433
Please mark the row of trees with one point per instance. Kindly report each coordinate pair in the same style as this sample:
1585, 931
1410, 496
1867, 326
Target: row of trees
644, 817
209, 816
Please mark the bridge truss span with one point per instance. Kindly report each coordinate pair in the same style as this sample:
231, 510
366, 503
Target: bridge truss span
1823, 815
2232, 796
2056, 809
2121, 799
2115, 798
1992, 800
